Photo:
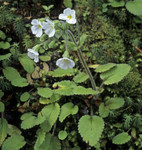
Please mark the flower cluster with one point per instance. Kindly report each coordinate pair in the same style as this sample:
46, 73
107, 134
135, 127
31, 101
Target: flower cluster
48, 26
38, 27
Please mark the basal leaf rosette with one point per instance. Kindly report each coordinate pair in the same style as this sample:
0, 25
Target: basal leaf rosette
91, 128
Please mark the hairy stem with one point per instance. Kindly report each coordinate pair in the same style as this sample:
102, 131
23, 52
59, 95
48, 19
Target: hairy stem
83, 61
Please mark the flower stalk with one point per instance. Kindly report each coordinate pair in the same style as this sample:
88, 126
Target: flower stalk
83, 61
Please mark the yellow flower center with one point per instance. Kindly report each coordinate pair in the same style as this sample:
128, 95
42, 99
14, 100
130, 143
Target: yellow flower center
69, 17
39, 26
51, 26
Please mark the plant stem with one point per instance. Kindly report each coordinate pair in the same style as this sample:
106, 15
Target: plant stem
66, 44
83, 61
87, 70
54, 128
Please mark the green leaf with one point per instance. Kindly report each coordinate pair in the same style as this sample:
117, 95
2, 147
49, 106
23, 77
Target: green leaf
81, 77
40, 138
2, 107
134, 7
25, 96
115, 74
65, 87
4, 45
45, 92
45, 58
27, 63
3, 57
103, 68
1, 94
117, 4
62, 135
76, 148
48, 116
55, 97
14, 142
19, 82
2, 35
66, 110
50, 143
121, 138
29, 121
13, 130
44, 101
103, 111
114, 103
91, 128
80, 90
3, 130
44, 7
61, 72
72, 46
11, 73
82, 39
68, 3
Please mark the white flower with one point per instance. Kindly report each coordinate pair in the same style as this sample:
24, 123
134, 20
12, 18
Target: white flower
65, 63
36, 28
49, 28
68, 15
33, 55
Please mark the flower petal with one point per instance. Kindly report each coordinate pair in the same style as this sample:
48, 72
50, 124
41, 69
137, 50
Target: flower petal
67, 11
51, 34
71, 21
49, 21
62, 17
31, 55
39, 32
36, 59
45, 25
34, 29
65, 63
34, 22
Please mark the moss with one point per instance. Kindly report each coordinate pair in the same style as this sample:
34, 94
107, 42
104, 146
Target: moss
130, 86
104, 40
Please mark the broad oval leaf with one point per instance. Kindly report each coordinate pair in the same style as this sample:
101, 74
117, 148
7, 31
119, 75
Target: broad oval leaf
25, 96
121, 138
45, 92
50, 143
19, 82
115, 74
27, 64
114, 103
81, 77
14, 142
2, 35
61, 72
103, 111
2, 107
48, 116
3, 57
3, 130
66, 110
62, 135
4, 45
91, 128
134, 7
117, 4
11, 73
103, 68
